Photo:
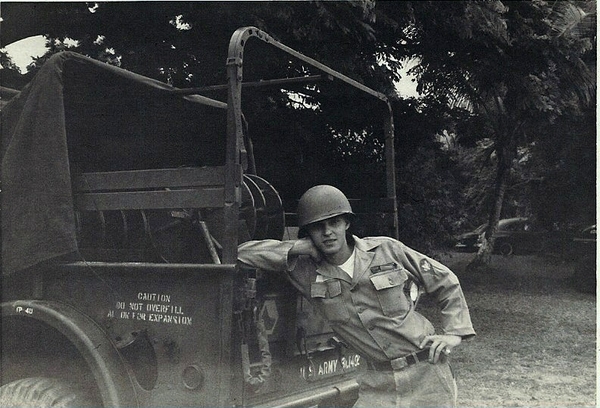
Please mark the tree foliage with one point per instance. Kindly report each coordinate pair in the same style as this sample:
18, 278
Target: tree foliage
515, 65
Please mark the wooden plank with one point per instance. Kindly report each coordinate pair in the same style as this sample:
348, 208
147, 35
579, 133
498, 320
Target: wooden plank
151, 200
149, 179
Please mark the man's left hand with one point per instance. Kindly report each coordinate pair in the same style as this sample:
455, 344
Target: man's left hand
440, 343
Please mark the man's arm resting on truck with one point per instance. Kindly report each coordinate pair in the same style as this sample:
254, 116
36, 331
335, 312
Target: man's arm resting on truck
273, 255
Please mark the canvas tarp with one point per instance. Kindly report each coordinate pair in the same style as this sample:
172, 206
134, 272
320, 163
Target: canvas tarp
85, 114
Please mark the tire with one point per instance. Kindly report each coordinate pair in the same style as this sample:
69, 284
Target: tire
505, 248
39, 392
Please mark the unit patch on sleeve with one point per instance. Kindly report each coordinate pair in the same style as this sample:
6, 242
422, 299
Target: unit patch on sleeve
425, 266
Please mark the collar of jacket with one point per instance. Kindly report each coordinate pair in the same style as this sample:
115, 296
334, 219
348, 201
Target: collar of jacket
364, 258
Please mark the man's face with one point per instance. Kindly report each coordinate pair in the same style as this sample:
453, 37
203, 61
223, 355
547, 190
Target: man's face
329, 236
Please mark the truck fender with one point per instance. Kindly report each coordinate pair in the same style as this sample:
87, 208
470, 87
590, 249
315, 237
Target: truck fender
116, 386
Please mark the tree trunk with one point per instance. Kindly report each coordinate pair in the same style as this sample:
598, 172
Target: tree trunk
506, 154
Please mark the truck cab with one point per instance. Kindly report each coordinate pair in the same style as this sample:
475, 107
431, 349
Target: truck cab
124, 200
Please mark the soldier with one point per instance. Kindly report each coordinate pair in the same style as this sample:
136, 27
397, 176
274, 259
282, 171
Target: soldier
367, 290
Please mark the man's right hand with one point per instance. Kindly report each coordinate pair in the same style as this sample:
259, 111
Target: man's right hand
304, 246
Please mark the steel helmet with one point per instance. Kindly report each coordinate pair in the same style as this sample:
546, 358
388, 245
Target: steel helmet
321, 202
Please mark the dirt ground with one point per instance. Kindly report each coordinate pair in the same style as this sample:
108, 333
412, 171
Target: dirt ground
536, 335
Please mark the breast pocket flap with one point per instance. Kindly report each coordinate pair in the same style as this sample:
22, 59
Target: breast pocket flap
389, 279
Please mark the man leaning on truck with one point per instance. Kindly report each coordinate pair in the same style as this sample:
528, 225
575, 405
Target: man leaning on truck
367, 290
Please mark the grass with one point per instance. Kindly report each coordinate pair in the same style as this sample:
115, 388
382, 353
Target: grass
536, 335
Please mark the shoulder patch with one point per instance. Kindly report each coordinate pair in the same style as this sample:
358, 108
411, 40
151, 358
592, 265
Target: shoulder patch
425, 266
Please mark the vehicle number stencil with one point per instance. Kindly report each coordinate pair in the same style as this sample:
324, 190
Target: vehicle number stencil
20, 309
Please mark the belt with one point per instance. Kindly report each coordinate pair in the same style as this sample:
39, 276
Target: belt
401, 362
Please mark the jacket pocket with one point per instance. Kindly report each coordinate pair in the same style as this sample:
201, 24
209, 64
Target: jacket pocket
327, 296
389, 286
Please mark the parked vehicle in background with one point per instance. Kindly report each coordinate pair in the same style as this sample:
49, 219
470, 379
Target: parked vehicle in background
469, 241
518, 235
586, 238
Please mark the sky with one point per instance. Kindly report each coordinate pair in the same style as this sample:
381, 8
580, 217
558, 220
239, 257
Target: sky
23, 50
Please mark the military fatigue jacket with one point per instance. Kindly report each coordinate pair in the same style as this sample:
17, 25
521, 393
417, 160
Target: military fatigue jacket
373, 311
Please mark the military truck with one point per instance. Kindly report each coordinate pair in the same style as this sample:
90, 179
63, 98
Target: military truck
124, 200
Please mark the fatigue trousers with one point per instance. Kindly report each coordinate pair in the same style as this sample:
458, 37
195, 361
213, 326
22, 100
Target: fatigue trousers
419, 385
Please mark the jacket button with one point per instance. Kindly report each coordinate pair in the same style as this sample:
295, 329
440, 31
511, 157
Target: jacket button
361, 309
371, 328
390, 280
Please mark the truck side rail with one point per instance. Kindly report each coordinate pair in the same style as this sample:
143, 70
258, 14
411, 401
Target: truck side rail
189, 187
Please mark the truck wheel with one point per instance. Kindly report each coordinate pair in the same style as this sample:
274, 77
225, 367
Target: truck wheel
505, 248
41, 392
